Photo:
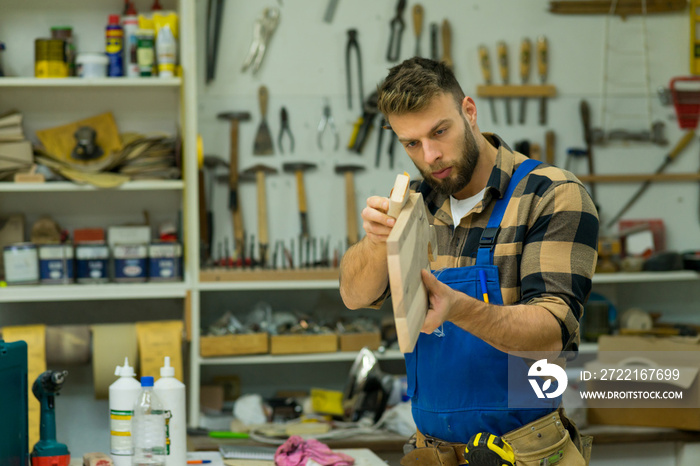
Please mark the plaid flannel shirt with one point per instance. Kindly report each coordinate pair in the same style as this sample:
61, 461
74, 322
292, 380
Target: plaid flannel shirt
546, 249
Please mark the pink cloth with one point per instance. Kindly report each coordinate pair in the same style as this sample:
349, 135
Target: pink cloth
296, 452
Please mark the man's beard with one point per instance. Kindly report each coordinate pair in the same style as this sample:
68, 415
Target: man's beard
462, 170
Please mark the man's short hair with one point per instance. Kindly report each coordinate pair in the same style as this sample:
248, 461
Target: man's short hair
411, 85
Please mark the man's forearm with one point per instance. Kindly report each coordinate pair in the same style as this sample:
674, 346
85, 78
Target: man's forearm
511, 328
363, 274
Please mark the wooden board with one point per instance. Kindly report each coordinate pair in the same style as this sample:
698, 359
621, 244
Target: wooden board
233, 345
298, 344
409, 246
221, 274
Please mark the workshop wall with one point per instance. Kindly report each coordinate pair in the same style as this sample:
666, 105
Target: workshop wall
305, 63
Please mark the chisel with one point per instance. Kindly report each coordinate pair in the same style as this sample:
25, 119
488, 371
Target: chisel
486, 72
503, 67
418, 25
542, 61
525, 53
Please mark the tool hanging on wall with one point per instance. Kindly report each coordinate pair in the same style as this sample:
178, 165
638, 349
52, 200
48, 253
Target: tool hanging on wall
486, 72
542, 64
434, 29
215, 13
327, 122
670, 157
503, 68
298, 169
588, 139
396, 26
258, 173
263, 138
447, 44
234, 202
525, 58
330, 11
353, 44
284, 129
363, 125
418, 25
383, 128
348, 172
263, 29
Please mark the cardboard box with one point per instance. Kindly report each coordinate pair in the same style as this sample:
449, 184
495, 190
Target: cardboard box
682, 353
357, 341
297, 344
233, 345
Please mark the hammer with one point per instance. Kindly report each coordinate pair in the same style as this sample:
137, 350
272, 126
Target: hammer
351, 208
259, 171
234, 204
298, 169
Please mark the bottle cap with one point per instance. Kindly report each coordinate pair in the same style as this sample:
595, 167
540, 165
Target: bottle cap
114, 19
147, 381
126, 370
167, 370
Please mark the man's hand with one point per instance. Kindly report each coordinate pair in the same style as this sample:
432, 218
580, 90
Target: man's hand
441, 300
375, 221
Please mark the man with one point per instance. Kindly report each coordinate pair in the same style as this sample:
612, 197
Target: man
526, 232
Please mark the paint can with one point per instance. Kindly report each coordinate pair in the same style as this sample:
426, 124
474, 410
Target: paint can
21, 264
91, 263
56, 263
165, 262
130, 262
50, 58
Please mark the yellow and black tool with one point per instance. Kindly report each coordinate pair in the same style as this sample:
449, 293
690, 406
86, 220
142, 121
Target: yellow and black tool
486, 72
485, 449
502, 51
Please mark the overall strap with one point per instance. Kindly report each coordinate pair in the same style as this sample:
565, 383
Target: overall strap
484, 255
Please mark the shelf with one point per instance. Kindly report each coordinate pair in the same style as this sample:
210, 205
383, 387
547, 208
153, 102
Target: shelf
97, 292
90, 82
297, 358
644, 277
652, 177
67, 186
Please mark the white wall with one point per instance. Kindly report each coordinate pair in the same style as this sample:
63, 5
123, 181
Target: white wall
306, 62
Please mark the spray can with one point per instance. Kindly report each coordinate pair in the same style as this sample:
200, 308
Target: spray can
130, 23
172, 393
114, 36
122, 397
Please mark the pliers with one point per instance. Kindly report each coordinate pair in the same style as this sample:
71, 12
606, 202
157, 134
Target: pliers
262, 32
284, 128
363, 125
327, 121
397, 25
352, 44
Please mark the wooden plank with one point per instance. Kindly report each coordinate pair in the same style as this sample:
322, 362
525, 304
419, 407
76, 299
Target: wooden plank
297, 344
236, 275
409, 247
623, 7
661, 177
232, 345
516, 90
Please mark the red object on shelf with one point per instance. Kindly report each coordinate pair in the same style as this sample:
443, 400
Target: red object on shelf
686, 100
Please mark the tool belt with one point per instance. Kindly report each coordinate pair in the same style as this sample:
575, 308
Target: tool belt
549, 440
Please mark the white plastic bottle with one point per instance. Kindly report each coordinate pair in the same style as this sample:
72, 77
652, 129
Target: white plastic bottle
122, 396
130, 23
172, 393
166, 52
148, 427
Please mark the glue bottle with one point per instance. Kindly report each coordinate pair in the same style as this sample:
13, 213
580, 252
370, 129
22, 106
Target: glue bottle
172, 393
122, 396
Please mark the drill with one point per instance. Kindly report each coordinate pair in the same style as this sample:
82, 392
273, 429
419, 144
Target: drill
47, 451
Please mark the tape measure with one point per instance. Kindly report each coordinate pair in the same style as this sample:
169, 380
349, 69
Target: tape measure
485, 449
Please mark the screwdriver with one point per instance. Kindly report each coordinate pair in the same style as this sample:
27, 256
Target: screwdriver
542, 60
525, 53
503, 67
486, 71
418, 25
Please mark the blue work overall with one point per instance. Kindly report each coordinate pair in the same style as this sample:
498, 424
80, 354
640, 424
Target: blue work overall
458, 383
